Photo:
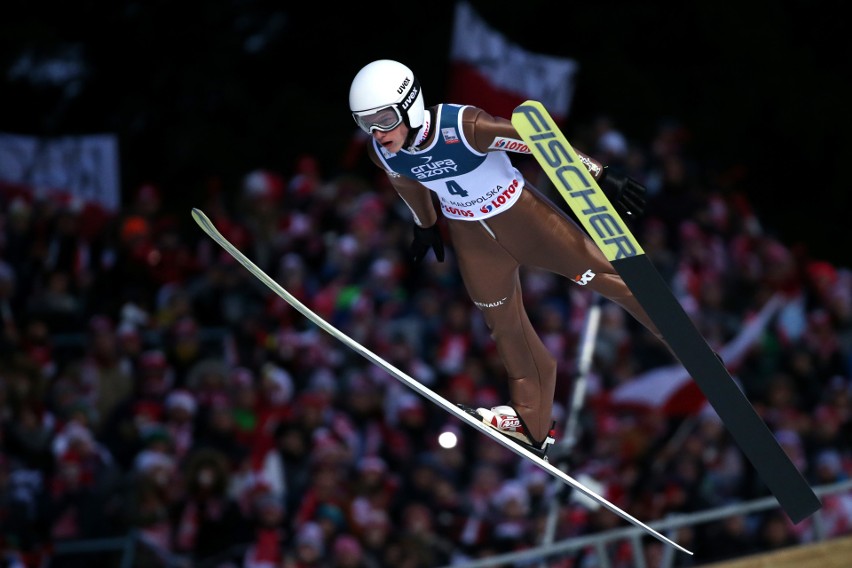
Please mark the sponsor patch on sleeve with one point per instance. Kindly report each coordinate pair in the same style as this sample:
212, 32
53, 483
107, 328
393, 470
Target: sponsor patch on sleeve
509, 145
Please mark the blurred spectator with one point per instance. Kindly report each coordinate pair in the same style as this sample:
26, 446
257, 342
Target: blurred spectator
219, 431
83, 479
326, 487
610, 146
375, 533
374, 488
29, 434
262, 192
179, 421
287, 466
513, 528
269, 539
147, 202
170, 260
131, 344
24, 505
103, 381
775, 532
207, 380
135, 249
418, 544
58, 302
348, 553
309, 548
154, 491
124, 431
10, 333
208, 522
185, 347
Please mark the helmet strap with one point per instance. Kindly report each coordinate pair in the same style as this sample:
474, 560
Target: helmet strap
409, 139
417, 137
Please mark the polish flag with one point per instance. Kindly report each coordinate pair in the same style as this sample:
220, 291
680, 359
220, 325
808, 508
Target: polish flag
667, 390
672, 391
496, 75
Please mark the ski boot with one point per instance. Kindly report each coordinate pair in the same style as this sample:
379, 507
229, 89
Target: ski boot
505, 420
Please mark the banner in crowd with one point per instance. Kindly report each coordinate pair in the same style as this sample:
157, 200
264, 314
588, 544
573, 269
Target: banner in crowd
672, 391
84, 168
489, 71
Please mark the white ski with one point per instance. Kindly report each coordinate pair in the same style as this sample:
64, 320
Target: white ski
208, 227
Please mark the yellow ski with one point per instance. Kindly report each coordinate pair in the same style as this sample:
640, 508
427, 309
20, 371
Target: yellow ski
603, 223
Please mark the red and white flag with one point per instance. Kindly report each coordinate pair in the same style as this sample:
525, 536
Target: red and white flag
672, 391
497, 75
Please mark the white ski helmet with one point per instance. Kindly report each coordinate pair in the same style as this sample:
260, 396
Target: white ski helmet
384, 94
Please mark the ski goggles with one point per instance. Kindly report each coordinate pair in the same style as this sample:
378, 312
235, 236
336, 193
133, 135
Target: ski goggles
384, 120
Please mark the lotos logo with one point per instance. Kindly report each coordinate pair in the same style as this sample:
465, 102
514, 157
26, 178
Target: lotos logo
456, 211
503, 196
509, 145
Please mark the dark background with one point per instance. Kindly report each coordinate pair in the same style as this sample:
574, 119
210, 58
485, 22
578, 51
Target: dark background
201, 89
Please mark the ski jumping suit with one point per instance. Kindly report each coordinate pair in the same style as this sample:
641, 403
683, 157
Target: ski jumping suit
498, 222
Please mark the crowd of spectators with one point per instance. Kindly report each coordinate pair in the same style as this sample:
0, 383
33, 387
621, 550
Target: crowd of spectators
151, 386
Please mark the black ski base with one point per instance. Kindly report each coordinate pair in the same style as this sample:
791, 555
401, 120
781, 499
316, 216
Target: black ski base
748, 429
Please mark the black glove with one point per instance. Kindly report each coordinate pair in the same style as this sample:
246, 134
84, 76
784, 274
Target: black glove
627, 193
424, 239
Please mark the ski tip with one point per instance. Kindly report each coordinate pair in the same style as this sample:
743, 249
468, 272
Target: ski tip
528, 103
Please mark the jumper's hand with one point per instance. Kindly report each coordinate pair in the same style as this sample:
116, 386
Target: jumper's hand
627, 193
424, 239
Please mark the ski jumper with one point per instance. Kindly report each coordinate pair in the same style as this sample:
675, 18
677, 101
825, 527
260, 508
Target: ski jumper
499, 222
